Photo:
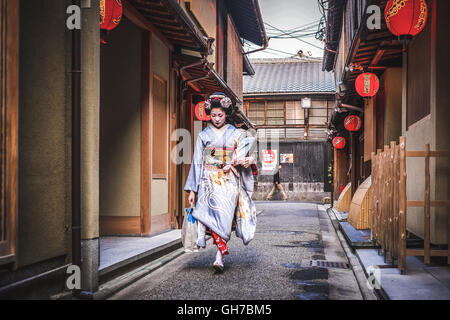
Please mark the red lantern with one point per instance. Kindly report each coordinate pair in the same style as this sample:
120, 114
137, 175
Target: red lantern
339, 142
406, 17
200, 112
352, 123
110, 14
367, 84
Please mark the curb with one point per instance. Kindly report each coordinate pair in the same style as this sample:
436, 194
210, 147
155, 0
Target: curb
113, 286
357, 268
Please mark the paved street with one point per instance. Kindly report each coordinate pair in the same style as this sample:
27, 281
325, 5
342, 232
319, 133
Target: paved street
275, 265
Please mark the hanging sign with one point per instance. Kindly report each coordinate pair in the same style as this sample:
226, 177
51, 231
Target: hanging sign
269, 160
286, 158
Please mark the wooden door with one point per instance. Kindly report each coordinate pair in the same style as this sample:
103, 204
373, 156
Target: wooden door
9, 55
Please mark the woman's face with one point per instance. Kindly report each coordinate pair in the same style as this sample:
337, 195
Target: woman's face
218, 117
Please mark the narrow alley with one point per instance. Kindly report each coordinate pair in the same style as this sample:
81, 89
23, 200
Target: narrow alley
276, 265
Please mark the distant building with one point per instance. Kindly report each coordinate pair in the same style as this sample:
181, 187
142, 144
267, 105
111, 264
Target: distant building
275, 98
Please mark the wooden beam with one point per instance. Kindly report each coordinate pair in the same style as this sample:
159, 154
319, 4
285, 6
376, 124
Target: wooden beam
138, 19
420, 253
146, 136
402, 206
422, 154
421, 203
427, 207
377, 57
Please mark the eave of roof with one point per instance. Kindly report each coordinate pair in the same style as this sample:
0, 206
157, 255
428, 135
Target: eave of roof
333, 33
210, 81
247, 17
172, 22
373, 49
248, 67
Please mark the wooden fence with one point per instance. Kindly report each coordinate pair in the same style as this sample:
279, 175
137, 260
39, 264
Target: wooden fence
390, 204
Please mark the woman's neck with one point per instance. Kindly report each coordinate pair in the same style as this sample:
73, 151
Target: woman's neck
218, 128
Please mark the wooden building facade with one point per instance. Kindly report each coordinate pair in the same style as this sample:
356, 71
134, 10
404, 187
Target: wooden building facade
410, 103
68, 181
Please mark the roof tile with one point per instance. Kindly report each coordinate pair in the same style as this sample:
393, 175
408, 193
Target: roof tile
291, 75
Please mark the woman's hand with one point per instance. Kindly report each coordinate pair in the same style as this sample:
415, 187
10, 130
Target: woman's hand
191, 198
227, 169
246, 162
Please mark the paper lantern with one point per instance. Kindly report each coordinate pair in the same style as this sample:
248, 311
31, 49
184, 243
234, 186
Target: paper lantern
339, 142
200, 112
367, 84
352, 123
110, 14
406, 18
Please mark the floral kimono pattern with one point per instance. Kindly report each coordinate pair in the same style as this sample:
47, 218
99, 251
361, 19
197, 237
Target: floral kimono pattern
222, 196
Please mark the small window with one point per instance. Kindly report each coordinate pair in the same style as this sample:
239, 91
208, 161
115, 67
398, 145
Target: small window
275, 113
256, 112
159, 158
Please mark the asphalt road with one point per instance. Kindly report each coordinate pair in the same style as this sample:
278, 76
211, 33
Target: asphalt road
272, 266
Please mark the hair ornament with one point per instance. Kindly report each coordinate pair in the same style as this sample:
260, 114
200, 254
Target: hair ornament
218, 100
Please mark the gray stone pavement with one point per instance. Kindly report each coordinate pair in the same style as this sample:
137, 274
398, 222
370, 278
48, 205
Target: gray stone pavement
275, 265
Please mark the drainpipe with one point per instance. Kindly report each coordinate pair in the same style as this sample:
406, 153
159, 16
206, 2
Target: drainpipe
198, 79
260, 49
195, 64
76, 143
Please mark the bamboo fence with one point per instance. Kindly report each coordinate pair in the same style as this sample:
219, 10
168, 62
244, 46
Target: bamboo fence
390, 203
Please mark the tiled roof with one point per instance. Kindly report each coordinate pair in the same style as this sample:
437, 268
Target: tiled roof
292, 75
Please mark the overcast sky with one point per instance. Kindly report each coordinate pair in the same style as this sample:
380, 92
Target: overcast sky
285, 15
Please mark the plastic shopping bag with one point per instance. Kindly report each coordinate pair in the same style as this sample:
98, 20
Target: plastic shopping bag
189, 231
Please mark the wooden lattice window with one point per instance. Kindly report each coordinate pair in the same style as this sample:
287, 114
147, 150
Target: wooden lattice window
294, 113
9, 26
256, 112
275, 113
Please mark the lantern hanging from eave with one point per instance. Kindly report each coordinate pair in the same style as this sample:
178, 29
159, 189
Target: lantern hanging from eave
339, 142
200, 112
367, 84
352, 123
110, 14
406, 18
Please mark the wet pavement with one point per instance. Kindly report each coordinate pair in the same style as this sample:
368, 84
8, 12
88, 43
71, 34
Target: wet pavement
275, 265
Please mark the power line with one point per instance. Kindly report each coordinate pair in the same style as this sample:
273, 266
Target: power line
311, 44
299, 28
306, 35
291, 54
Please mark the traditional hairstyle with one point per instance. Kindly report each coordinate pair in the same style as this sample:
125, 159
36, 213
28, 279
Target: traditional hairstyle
218, 100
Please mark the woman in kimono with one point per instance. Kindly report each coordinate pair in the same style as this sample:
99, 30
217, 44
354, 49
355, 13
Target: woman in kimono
220, 180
